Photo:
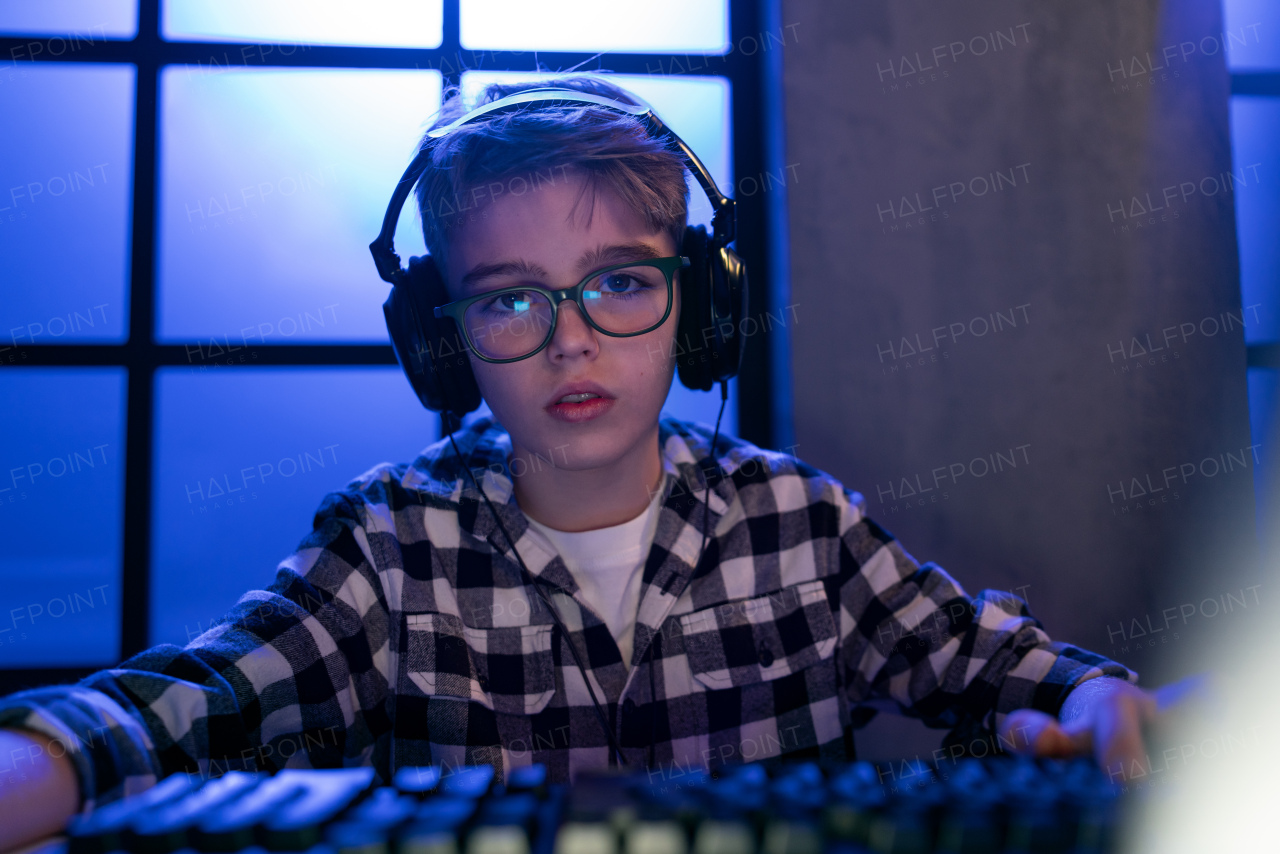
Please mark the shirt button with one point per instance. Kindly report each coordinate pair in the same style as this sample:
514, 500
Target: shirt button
628, 706
766, 656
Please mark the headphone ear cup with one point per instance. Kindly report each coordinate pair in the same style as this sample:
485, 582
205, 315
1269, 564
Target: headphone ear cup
430, 350
693, 353
713, 302
728, 309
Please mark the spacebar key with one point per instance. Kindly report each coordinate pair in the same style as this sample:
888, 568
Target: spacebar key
299, 823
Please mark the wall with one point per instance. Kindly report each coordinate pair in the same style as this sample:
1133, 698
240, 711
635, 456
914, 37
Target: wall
1013, 256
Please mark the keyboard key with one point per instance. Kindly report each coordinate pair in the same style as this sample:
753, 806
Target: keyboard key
472, 781
528, 778
325, 794
586, 838
417, 780
723, 837
791, 837
423, 841
102, 830
902, 831
167, 828
231, 827
349, 837
655, 837
969, 830
385, 807
498, 839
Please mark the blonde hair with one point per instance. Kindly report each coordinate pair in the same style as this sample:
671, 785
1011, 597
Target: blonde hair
529, 146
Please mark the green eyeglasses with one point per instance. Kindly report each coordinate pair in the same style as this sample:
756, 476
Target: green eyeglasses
515, 323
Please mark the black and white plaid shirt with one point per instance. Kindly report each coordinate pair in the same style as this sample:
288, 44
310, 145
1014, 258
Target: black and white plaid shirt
401, 632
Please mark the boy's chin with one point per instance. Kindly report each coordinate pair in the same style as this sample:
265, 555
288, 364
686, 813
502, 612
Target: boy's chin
584, 446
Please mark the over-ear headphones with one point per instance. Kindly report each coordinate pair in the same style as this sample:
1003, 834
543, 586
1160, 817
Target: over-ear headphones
432, 350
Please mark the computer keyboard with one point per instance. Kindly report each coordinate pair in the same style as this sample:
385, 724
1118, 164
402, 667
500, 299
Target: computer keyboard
1005, 804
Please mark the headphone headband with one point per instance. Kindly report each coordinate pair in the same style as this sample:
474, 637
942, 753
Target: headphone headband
723, 217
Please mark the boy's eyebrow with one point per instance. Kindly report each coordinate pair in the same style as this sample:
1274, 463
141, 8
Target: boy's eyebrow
601, 256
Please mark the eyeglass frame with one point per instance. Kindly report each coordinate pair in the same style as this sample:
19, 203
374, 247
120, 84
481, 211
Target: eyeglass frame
456, 310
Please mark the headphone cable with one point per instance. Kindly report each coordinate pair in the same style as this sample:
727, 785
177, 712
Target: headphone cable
616, 756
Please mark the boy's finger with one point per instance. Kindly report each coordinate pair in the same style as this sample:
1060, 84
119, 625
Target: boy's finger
1118, 739
1021, 728
1056, 741
1080, 733
1038, 734
1122, 753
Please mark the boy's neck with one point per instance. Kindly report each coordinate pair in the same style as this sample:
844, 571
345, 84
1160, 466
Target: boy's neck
595, 498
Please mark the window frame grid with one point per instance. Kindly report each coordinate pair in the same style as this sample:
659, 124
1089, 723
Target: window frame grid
1263, 354
755, 117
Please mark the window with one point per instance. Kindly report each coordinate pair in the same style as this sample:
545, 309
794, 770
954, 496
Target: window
1253, 58
192, 351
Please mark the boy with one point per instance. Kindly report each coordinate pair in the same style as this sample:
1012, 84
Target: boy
755, 616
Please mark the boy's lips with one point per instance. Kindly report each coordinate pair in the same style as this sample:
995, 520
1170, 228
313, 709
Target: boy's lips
579, 401
577, 391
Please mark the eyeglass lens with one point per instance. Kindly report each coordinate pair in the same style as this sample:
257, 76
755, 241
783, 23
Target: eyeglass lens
512, 324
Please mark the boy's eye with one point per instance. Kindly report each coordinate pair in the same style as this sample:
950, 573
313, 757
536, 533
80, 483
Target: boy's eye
618, 282
623, 282
510, 301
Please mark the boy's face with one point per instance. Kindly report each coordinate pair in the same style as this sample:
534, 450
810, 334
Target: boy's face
542, 240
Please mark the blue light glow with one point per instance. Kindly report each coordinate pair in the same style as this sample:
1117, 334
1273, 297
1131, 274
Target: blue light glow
243, 459
61, 507
65, 206
1251, 30
662, 26
384, 23
1255, 136
84, 21
272, 184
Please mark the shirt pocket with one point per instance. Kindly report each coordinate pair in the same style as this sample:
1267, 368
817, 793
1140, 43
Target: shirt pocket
747, 641
508, 670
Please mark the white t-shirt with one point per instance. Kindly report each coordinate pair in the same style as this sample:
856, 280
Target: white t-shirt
608, 565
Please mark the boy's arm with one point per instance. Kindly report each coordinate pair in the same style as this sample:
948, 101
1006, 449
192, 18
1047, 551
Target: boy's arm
296, 674
912, 638
38, 788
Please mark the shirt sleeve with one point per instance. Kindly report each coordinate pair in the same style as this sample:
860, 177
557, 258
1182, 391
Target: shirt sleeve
914, 642
293, 676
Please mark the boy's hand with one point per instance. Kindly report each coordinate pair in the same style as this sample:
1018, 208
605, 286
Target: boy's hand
1104, 717
39, 790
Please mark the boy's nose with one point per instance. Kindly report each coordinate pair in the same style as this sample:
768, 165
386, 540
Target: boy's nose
572, 333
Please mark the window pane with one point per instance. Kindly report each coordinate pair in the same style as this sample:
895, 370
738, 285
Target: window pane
1255, 136
1263, 386
661, 26
697, 109
386, 23
84, 20
1252, 34
272, 184
691, 405
66, 203
243, 459
61, 516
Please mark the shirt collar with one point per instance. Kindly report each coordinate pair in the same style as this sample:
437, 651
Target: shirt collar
485, 445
